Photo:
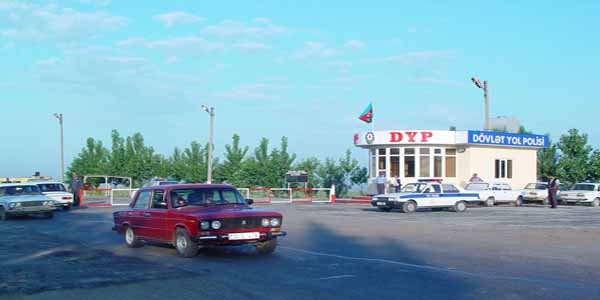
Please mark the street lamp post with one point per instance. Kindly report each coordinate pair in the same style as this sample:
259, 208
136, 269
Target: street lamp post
211, 112
486, 100
59, 117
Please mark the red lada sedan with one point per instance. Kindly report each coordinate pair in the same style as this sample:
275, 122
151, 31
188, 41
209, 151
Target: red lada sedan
189, 216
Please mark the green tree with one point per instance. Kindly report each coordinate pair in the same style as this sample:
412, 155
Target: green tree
93, 159
594, 171
547, 160
118, 158
230, 170
141, 162
338, 173
310, 165
281, 162
177, 166
359, 176
195, 163
573, 165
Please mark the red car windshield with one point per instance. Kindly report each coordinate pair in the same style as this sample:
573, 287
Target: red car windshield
204, 197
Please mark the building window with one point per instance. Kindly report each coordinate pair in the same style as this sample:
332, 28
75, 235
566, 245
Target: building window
503, 168
450, 163
395, 162
409, 162
424, 162
437, 162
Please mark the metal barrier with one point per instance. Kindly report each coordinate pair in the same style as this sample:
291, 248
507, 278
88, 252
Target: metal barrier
289, 195
121, 197
96, 197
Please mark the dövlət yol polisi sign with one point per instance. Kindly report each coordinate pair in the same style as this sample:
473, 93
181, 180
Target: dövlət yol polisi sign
507, 139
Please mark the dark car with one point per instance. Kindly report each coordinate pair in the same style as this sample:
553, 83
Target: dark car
189, 216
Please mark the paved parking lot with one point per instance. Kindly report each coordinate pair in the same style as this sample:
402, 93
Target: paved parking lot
331, 252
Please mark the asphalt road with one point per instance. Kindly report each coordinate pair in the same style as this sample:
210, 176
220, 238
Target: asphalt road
331, 252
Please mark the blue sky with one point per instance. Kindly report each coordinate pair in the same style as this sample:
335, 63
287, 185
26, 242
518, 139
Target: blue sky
303, 69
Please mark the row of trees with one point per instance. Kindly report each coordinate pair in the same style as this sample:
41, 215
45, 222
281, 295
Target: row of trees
264, 167
571, 159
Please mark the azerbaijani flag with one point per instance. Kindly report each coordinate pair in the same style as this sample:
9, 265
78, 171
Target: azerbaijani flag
367, 114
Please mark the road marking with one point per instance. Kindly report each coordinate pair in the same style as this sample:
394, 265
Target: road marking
547, 282
336, 277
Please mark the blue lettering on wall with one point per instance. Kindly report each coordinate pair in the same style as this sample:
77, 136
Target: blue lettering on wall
507, 139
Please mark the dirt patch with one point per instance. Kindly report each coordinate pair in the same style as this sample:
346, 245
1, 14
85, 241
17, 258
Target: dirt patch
31, 263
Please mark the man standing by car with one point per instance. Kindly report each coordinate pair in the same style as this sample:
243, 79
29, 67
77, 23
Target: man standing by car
475, 178
76, 186
552, 190
380, 181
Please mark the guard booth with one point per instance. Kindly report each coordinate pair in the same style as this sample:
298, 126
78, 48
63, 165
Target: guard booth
451, 156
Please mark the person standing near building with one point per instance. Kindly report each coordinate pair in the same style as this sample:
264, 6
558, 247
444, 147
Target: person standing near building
397, 184
552, 191
475, 178
76, 186
380, 181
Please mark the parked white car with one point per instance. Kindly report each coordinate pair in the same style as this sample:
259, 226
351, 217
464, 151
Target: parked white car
535, 192
496, 192
57, 192
425, 195
24, 199
583, 193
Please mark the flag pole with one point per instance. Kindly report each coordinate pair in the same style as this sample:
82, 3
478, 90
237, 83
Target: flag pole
372, 118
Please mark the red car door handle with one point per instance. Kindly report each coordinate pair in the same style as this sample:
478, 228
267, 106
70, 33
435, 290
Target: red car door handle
147, 214
129, 214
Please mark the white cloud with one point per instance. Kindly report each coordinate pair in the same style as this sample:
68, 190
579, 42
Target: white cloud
234, 29
52, 22
342, 65
191, 44
96, 2
315, 49
252, 46
262, 20
416, 57
430, 80
177, 17
47, 62
354, 44
118, 79
172, 60
252, 91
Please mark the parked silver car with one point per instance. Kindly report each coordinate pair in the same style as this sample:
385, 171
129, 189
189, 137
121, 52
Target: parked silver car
24, 199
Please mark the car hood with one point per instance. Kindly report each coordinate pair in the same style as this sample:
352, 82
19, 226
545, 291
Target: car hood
227, 211
393, 195
578, 192
24, 198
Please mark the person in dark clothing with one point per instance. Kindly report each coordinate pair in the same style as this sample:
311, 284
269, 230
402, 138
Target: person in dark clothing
398, 184
76, 186
552, 190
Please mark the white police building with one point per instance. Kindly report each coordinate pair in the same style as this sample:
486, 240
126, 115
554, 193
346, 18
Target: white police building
452, 156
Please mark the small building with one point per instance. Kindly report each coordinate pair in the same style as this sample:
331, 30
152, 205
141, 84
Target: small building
452, 156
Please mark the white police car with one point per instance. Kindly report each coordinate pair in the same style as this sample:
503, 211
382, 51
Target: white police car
425, 195
582, 193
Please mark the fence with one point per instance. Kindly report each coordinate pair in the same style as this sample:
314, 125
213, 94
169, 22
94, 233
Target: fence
289, 195
107, 197
122, 197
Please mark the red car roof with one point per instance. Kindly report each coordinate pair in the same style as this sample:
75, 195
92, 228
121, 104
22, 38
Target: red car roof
190, 185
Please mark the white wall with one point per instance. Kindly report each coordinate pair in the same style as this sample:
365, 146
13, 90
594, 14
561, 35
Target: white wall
481, 160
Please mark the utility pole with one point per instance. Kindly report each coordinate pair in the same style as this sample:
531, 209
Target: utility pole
486, 99
59, 117
211, 112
